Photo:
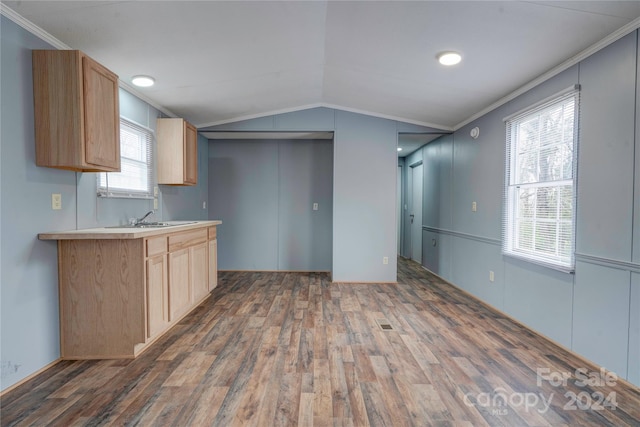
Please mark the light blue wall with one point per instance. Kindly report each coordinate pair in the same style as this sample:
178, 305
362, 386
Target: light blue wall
596, 311
305, 177
606, 153
263, 191
28, 267
634, 330
364, 190
186, 203
605, 216
244, 195
364, 194
438, 205
29, 285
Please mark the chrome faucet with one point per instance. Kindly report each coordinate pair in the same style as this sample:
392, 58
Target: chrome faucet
141, 220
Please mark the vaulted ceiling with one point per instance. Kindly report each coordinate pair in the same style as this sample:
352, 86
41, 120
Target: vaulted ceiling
221, 61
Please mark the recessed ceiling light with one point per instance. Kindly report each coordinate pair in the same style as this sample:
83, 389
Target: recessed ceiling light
143, 81
449, 58
399, 148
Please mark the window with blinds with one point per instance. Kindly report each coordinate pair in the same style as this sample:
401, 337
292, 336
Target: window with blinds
135, 179
540, 196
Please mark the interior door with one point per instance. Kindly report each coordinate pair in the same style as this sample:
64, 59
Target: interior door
415, 213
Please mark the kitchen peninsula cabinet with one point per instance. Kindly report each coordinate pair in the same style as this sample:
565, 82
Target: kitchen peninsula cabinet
76, 110
177, 152
120, 289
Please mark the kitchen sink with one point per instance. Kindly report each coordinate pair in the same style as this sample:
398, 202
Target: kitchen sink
153, 224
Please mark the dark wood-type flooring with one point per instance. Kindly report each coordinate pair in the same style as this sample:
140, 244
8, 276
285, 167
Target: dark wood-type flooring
275, 349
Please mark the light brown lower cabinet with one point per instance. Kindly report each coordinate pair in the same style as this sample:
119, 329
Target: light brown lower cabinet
117, 296
157, 295
199, 269
179, 292
213, 264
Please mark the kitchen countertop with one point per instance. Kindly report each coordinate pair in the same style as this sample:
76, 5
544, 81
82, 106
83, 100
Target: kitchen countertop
125, 232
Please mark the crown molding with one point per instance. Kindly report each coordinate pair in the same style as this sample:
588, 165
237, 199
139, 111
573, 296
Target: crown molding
257, 116
389, 117
31, 27
611, 38
48, 38
323, 105
133, 91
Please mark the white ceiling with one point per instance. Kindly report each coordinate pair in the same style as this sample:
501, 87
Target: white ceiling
221, 61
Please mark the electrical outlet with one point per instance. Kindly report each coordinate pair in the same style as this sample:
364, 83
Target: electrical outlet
474, 207
204, 205
155, 204
56, 201
315, 206
385, 260
155, 191
492, 276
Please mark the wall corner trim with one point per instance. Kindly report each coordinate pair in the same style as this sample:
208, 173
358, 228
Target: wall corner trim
31, 27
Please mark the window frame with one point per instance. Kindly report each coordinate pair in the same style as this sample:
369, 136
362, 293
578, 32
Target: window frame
102, 178
513, 188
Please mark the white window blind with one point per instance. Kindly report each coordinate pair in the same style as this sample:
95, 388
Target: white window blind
540, 196
135, 179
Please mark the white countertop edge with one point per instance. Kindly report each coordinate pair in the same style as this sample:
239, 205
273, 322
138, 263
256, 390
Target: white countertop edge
123, 233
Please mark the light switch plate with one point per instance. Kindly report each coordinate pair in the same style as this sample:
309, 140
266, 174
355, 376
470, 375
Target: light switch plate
315, 206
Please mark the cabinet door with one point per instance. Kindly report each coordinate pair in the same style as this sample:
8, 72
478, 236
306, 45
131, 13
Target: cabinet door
157, 295
199, 271
190, 154
101, 115
179, 289
213, 264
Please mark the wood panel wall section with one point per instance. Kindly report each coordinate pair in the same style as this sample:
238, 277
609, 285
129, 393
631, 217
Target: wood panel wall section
118, 295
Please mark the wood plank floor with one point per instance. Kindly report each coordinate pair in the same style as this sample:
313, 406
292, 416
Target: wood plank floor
286, 349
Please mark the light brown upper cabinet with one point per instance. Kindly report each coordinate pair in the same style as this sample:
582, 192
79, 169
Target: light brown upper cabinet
177, 152
77, 116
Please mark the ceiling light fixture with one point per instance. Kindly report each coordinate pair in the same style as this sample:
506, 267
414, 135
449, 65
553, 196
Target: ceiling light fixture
449, 58
143, 81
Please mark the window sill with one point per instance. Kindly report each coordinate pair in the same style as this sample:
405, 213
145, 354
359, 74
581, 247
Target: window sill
562, 268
